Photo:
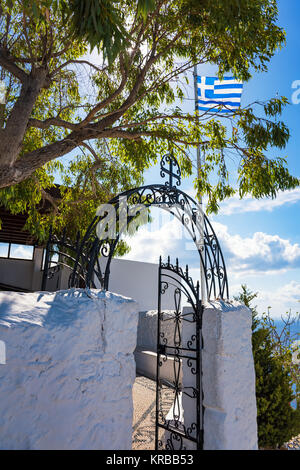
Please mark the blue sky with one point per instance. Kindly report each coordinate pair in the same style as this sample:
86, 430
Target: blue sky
260, 239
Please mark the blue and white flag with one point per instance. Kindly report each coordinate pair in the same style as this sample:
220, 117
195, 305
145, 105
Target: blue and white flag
218, 96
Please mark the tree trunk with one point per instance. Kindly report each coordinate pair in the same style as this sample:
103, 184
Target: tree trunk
11, 137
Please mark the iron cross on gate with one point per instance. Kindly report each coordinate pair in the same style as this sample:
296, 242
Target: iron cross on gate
173, 171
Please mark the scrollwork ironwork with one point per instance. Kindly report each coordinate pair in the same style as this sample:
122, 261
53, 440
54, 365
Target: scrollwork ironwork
175, 438
185, 353
169, 198
173, 170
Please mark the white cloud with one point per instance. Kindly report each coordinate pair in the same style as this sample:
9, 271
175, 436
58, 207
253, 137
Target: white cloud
260, 253
235, 205
149, 243
21, 251
281, 300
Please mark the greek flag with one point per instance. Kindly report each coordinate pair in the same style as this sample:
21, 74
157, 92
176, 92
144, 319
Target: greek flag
218, 96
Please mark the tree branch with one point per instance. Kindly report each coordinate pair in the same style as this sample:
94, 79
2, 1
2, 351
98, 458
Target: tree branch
138, 135
7, 63
54, 121
77, 61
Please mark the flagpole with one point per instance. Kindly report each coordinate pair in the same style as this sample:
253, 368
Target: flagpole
199, 163
198, 148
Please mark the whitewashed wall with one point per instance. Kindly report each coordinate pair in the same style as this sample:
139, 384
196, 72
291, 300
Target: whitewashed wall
139, 281
67, 382
134, 279
22, 273
228, 377
145, 354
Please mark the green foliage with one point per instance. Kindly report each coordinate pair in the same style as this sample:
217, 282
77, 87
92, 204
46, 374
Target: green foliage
85, 183
97, 22
144, 7
246, 297
125, 102
277, 421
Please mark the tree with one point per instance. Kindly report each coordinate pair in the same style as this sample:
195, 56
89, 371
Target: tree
58, 101
286, 346
277, 421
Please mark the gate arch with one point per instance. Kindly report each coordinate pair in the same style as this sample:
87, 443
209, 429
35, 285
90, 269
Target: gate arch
97, 242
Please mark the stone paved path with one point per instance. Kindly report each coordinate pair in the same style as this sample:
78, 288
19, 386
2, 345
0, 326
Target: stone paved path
144, 415
144, 409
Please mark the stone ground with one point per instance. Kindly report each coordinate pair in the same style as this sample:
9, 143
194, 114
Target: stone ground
144, 408
144, 415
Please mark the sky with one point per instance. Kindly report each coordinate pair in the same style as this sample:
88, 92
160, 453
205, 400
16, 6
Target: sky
260, 239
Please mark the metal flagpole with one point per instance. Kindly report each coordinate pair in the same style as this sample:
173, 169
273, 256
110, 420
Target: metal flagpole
202, 275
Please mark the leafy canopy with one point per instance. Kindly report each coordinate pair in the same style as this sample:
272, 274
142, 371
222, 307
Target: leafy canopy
117, 114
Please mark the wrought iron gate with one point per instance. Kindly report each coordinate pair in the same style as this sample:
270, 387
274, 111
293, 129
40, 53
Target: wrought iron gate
179, 396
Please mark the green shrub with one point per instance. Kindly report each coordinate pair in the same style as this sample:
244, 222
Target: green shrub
277, 421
